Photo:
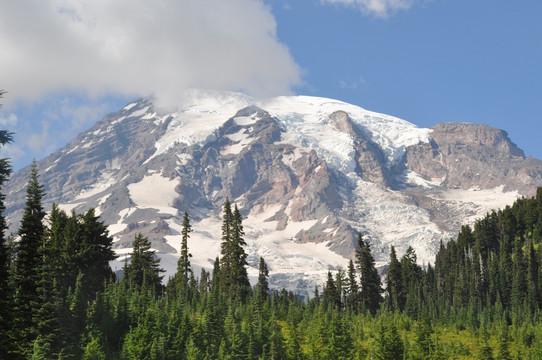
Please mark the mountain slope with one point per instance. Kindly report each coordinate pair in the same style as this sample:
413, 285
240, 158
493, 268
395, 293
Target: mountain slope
307, 174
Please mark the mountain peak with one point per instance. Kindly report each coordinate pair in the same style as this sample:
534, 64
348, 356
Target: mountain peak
307, 173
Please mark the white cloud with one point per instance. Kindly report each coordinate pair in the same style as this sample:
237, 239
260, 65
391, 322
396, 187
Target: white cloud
8, 121
378, 8
141, 47
352, 84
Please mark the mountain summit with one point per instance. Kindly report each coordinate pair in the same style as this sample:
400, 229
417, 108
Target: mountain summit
307, 174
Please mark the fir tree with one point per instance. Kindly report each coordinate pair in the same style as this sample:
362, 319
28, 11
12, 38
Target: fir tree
369, 279
96, 252
183, 264
6, 292
233, 272
331, 294
394, 283
144, 267
388, 341
28, 265
262, 287
352, 289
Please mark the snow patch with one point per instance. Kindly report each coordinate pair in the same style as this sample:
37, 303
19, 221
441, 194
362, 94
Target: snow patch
154, 192
139, 112
242, 140
416, 179
118, 120
129, 106
486, 200
148, 116
184, 159
246, 120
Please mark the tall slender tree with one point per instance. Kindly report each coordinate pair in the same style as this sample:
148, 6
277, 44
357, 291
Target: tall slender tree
5, 291
183, 264
371, 286
233, 272
28, 264
352, 288
262, 287
394, 283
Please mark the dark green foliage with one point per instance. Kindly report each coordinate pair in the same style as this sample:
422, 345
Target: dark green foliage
331, 295
6, 292
183, 264
370, 284
28, 266
352, 289
144, 270
262, 287
395, 285
95, 252
233, 272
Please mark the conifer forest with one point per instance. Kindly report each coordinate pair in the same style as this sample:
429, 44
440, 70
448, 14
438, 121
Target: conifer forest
59, 299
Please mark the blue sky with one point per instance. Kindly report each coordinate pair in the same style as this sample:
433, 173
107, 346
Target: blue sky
66, 63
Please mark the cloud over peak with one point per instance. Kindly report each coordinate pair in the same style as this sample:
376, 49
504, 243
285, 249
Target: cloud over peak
139, 47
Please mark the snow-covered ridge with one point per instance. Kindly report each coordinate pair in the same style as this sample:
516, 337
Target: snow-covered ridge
305, 119
307, 179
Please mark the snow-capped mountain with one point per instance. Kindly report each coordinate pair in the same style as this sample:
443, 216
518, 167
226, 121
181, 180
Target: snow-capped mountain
307, 174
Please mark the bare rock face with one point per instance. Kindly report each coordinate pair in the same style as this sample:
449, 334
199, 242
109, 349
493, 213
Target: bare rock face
369, 158
465, 156
307, 174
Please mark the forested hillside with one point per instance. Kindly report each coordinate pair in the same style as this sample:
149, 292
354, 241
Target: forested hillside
60, 299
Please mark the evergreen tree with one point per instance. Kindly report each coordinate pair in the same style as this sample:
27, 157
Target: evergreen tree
388, 341
485, 352
369, 279
233, 272
28, 265
352, 289
340, 341
94, 350
183, 264
331, 294
519, 283
6, 292
144, 267
95, 253
262, 287
394, 283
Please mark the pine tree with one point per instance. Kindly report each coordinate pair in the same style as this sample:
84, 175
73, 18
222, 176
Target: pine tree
352, 289
96, 252
6, 292
340, 341
331, 294
144, 267
519, 282
94, 350
370, 283
183, 264
262, 287
388, 342
233, 272
28, 264
394, 283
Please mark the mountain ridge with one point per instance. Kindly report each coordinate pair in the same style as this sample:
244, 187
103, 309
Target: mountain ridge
307, 174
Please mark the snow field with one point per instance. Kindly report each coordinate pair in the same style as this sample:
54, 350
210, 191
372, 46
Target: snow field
154, 192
